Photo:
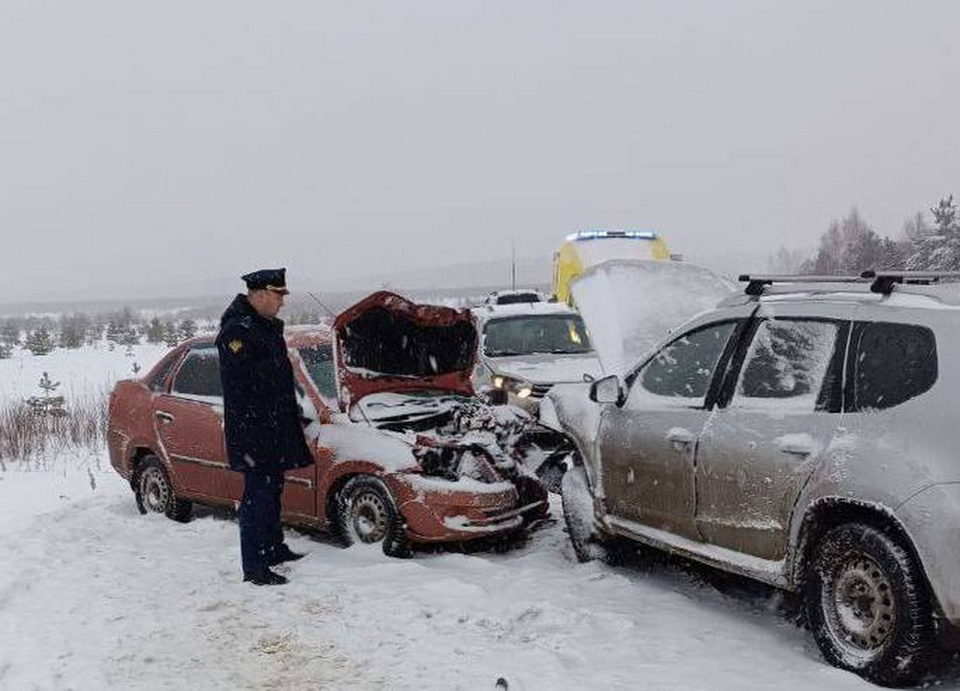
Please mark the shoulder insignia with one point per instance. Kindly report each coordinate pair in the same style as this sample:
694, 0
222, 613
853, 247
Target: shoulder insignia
235, 345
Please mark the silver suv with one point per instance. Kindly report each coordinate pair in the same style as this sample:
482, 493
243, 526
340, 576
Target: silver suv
804, 434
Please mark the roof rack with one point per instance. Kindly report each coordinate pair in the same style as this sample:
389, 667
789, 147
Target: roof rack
757, 282
883, 281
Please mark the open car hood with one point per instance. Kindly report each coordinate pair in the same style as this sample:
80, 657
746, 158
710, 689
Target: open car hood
628, 305
388, 343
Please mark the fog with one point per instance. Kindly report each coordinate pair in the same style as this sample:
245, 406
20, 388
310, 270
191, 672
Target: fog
160, 149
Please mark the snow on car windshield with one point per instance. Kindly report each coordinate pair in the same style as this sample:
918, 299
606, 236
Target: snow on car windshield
535, 333
629, 305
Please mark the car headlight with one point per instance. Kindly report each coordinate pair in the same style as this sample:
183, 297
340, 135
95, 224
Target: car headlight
518, 387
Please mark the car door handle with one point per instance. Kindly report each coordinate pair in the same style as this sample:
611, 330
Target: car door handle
163, 416
796, 447
680, 438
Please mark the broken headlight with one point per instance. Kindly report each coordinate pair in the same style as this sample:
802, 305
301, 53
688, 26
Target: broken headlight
519, 387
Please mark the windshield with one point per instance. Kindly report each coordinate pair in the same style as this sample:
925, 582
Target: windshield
535, 333
319, 362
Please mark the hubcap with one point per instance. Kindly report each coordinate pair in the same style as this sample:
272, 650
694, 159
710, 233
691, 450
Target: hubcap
154, 489
859, 606
368, 516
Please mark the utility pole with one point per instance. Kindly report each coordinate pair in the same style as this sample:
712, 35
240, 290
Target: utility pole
513, 265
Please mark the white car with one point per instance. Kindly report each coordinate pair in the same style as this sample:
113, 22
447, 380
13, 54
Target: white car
527, 348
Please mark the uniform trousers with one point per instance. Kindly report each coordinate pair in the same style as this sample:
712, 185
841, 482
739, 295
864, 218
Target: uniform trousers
260, 530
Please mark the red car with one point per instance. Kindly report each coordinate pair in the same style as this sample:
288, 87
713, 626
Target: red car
405, 453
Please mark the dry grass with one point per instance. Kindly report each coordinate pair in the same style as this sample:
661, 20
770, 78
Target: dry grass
30, 439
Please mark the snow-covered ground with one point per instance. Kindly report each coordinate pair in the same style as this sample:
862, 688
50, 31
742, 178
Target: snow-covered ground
82, 372
93, 595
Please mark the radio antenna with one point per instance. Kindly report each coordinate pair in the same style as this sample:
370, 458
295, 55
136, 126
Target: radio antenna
329, 311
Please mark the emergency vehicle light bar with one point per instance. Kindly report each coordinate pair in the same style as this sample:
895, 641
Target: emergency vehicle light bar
607, 234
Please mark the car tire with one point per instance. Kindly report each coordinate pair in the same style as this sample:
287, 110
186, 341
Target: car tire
155, 494
551, 475
588, 542
367, 514
868, 606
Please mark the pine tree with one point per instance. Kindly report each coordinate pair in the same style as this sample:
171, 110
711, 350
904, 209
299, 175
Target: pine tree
850, 247
114, 331
73, 330
10, 332
155, 331
47, 403
129, 335
170, 335
39, 341
187, 329
937, 248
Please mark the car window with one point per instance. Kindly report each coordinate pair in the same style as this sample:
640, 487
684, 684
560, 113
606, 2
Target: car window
535, 333
682, 371
893, 363
158, 380
199, 375
786, 365
318, 360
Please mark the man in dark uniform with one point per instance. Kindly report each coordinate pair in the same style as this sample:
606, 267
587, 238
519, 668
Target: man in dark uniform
261, 419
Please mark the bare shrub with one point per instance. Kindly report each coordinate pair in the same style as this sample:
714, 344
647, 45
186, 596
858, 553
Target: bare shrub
31, 438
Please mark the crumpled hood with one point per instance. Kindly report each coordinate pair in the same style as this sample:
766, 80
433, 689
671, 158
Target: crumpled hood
388, 343
547, 368
628, 305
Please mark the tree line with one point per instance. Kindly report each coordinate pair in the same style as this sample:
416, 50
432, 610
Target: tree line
851, 245
126, 327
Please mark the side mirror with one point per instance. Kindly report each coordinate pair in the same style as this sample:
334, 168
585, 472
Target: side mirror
606, 390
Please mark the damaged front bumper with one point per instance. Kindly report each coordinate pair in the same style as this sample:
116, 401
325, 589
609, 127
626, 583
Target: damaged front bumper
440, 511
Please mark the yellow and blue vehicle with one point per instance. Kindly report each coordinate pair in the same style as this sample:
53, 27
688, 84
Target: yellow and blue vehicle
587, 248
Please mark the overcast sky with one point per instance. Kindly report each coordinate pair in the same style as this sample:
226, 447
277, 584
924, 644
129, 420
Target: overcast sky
161, 145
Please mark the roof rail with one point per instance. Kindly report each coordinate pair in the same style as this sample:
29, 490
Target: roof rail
883, 281
757, 282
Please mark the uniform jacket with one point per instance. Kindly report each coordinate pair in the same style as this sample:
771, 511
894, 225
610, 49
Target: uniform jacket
261, 415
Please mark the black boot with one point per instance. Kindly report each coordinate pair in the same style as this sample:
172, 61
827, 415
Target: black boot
284, 553
265, 577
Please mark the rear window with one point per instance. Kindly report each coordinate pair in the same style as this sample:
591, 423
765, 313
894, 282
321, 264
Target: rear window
893, 363
789, 361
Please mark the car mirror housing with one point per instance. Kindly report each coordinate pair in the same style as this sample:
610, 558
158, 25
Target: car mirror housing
606, 390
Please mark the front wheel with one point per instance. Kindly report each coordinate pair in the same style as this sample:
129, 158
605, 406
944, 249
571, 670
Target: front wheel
588, 542
367, 515
154, 491
867, 605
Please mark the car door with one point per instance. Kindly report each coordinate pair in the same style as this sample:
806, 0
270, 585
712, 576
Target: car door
189, 420
778, 412
647, 445
299, 499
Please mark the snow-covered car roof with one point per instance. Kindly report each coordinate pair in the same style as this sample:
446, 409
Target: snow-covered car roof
630, 304
514, 296
487, 312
